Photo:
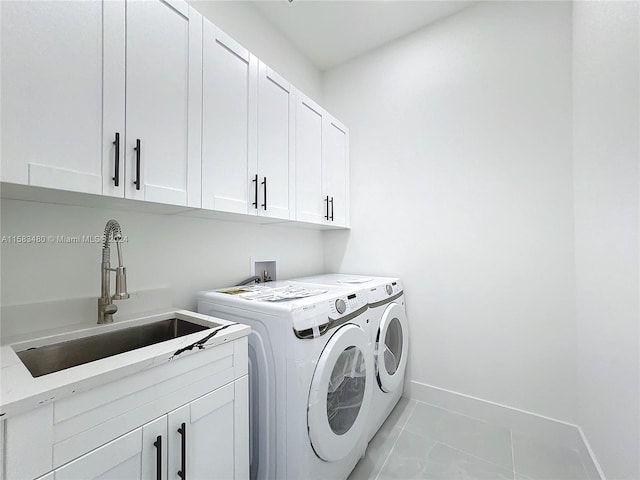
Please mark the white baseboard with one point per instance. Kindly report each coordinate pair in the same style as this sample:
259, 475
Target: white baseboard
546, 428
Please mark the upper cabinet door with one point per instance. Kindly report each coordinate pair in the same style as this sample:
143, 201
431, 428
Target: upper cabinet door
276, 135
51, 97
335, 170
229, 123
310, 204
163, 67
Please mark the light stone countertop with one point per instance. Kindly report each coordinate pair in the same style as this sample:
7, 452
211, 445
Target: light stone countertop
20, 391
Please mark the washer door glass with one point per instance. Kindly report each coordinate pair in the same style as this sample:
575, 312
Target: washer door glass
346, 390
340, 395
391, 347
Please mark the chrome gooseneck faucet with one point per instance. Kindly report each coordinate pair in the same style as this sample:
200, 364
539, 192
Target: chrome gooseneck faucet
106, 308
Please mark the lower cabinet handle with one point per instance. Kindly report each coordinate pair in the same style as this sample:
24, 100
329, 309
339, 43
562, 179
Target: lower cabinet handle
182, 473
116, 176
158, 445
332, 209
327, 202
255, 191
137, 149
264, 183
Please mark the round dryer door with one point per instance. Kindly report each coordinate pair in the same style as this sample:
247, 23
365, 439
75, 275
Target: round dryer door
391, 347
340, 395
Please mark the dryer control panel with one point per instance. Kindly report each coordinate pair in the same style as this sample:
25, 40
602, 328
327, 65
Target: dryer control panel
386, 292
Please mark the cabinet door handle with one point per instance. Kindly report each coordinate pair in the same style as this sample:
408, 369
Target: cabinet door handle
182, 473
158, 445
326, 217
264, 183
116, 177
255, 191
137, 149
331, 209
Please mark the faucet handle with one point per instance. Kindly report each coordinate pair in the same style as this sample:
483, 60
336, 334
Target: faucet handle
110, 309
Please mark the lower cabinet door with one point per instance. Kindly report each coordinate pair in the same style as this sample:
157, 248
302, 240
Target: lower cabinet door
134, 456
154, 449
201, 437
119, 459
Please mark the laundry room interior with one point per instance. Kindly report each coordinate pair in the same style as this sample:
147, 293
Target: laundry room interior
491, 176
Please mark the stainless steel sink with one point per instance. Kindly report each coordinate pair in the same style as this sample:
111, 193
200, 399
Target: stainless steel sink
58, 356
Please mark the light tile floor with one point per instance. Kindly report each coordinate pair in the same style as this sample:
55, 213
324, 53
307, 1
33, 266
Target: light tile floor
421, 441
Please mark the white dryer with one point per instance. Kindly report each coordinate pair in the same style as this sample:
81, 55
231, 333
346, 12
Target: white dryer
389, 336
311, 376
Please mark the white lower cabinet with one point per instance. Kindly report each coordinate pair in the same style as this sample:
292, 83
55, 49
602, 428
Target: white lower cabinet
186, 420
204, 439
207, 437
123, 458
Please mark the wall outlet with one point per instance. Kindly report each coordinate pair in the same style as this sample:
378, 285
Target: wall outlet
266, 270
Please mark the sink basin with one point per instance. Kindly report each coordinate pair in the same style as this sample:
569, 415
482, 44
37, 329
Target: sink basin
59, 356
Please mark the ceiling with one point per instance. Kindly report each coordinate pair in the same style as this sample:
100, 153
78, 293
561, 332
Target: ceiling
331, 32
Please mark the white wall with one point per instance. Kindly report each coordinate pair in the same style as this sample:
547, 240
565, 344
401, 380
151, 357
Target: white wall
606, 155
251, 29
462, 185
182, 253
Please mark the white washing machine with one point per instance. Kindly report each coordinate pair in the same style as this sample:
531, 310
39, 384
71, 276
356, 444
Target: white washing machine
311, 376
389, 331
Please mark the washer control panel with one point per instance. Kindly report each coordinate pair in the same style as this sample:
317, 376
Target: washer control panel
346, 304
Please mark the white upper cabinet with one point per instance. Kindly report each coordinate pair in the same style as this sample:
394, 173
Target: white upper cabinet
163, 65
335, 171
146, 100
65, 69
310, 204
51, 97
322, 166
230, 75
276, 135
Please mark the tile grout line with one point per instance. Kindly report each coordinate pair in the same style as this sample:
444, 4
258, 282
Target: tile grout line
395, 442
477, 457
513, 455
456, 413
409, 415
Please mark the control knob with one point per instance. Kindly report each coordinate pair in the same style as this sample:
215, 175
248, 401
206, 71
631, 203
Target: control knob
389, 289
341, 307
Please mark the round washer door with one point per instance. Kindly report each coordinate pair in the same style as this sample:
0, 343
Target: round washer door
391, 346
340, 395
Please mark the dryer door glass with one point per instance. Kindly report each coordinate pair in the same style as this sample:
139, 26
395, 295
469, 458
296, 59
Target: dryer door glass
391, 347
346, 390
